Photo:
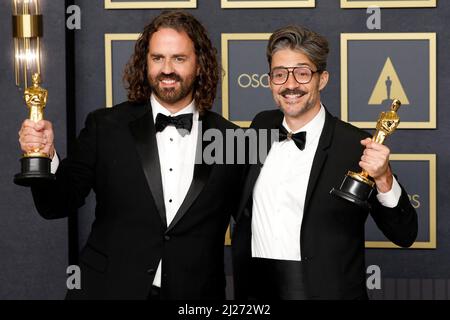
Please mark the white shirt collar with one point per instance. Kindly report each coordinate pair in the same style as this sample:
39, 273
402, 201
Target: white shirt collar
313, 128
158, 108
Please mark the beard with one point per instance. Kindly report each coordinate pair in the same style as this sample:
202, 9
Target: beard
172, 95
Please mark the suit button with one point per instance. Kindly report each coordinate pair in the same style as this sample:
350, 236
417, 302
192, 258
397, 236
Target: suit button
151, 271
167, 238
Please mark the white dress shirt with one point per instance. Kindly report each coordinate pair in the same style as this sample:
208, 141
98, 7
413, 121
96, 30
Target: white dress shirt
176, 158
280, 191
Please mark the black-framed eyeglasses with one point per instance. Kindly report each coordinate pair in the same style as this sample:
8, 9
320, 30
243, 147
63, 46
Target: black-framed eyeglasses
302, 75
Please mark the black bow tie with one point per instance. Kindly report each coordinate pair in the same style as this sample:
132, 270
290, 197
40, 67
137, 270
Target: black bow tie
183, 121
299, 138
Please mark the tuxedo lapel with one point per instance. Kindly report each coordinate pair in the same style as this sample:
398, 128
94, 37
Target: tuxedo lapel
144, 134
320, 156
252, 175
201, 174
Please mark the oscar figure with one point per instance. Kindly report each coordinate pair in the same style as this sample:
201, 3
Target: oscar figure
34, 163
357, 187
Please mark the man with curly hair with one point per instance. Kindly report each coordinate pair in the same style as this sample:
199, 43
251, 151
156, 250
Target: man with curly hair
162, 212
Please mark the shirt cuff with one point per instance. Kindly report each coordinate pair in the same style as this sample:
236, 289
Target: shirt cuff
54, 164
391, 198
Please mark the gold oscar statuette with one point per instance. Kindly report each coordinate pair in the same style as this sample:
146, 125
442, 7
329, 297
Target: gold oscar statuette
35, 163
357, 187
27, 31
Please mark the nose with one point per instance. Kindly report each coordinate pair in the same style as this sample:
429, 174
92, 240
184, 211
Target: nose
291, 83
167, 67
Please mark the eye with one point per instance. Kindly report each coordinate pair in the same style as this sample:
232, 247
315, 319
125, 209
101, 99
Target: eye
180, 59
278, 74
303, 72
157, 59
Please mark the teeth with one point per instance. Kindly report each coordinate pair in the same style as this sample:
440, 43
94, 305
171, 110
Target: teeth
168, 81
293, 96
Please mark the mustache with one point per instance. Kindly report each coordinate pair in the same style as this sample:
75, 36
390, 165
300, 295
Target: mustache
169, 76
292, 91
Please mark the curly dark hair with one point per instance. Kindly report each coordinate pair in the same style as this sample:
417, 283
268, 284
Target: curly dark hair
205, 85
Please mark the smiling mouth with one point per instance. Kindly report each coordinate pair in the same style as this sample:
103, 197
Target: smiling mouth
292, 93
291, 98
167, 82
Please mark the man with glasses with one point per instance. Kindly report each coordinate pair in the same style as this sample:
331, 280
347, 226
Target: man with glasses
293, 239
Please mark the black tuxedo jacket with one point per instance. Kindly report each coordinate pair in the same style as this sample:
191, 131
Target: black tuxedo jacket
332, 231
117, 157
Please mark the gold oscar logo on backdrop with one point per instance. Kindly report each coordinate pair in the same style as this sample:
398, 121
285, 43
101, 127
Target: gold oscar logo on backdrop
245, 81
422, 196
388, 85
414, 199
255, 80
378, 67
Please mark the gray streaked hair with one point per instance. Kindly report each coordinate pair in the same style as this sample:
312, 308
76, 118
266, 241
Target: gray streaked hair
310, 43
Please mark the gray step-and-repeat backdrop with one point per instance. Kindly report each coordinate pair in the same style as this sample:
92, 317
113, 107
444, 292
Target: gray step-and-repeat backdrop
396, 49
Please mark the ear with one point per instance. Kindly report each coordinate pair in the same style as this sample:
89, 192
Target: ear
324, 76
